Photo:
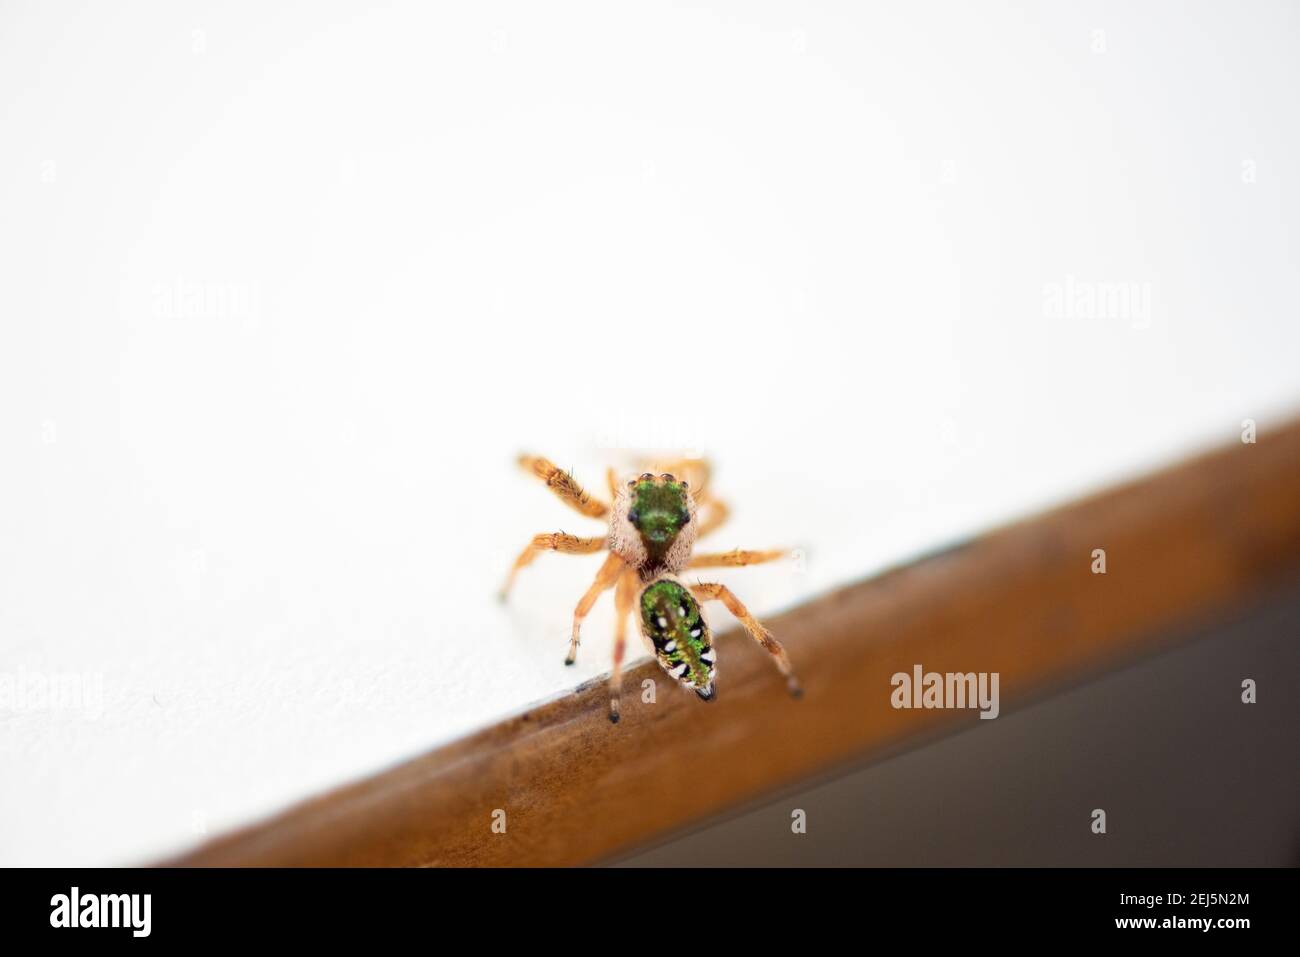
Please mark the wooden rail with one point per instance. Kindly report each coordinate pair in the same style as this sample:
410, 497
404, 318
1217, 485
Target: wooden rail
1181, 545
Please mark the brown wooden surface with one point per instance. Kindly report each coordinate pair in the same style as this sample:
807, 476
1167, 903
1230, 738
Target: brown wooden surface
1022, 601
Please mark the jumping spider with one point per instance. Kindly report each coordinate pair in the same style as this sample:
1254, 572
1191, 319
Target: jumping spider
653, 525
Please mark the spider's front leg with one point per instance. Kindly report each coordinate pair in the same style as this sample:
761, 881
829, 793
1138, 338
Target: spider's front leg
708, 591
551, 542
565, 486
606, 577
569, 491
624, 598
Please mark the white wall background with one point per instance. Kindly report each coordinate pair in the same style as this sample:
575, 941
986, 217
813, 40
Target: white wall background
286, 286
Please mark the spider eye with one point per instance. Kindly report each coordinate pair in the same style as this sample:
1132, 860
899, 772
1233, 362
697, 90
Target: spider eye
686, 517
634, 516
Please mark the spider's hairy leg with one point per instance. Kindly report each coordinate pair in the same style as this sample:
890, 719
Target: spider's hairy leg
611, 479
735, 558
564, 485
708, 591
551, 542
624, 598
715, 513
605, 578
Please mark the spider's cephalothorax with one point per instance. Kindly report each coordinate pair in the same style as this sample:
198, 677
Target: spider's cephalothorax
652, 525
671, 621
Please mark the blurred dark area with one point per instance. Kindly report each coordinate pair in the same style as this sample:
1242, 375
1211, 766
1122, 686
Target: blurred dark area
1187, 774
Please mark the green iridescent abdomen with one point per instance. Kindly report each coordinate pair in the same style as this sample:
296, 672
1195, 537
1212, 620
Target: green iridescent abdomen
671, 619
